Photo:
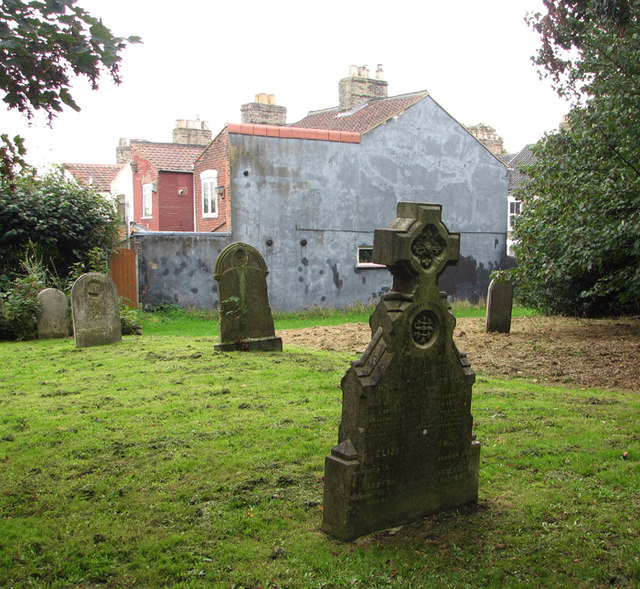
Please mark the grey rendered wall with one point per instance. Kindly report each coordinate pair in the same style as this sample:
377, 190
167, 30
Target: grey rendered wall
315, 202
177, 268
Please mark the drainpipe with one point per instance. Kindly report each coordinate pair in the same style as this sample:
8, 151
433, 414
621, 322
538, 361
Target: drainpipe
195, 224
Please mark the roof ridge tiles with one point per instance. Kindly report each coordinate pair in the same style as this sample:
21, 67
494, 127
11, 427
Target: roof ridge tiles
292, 132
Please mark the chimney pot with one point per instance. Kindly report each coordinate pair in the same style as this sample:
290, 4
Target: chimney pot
264, 111
359, 87
190, 132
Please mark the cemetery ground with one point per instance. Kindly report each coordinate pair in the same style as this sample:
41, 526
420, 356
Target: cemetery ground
160, 462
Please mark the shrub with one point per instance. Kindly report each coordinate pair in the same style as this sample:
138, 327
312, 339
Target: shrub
19, 304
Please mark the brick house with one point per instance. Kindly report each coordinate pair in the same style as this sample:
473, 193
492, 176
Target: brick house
309, 195
156, 179
153, 181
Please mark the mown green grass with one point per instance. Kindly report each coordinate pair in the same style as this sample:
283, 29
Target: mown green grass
160, 462
203, 323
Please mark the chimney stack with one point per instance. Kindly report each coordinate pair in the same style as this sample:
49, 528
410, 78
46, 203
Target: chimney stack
189, 132
489, 137
264, 111
359, 87
123, 151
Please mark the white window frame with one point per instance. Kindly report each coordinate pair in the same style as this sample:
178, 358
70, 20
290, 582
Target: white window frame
147, 200
209, 194
360, 264
515, 209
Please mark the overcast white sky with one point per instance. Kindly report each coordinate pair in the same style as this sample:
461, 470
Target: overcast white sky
205, 59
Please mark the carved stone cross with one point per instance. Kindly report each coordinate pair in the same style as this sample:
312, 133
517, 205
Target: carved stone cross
405, 443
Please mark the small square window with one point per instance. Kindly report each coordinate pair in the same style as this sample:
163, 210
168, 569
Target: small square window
364, 258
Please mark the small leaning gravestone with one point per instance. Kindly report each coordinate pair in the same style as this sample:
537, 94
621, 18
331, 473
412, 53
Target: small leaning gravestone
405, 443
53, 314
95, 310
499, 306
246, 322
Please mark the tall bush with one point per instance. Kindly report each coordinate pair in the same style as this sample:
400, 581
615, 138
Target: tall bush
66, 224
578, 240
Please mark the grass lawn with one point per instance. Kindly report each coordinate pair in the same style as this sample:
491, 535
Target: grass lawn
176, 321
160, 462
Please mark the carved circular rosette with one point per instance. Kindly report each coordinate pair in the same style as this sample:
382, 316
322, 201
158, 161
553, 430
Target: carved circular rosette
428, 246
424, 328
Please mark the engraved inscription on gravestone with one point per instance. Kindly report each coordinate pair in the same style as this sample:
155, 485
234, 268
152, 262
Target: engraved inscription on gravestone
246, 322
53, 314
95, 310
405, 443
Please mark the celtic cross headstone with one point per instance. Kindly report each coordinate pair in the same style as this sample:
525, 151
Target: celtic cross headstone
405, 443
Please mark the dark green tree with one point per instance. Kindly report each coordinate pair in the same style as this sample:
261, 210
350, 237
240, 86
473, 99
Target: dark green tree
578, 247
60, 221
44, 45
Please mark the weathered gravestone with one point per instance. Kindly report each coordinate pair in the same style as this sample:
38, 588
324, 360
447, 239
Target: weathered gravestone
53, 314
499, 306
246, 322
405, 444
95, 310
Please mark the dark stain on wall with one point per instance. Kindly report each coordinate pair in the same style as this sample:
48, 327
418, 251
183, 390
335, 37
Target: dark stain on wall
468, 280
336, 274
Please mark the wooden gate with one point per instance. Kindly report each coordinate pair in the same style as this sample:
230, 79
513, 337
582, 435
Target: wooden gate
123, 269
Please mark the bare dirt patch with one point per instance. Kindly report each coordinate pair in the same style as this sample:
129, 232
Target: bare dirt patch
581, 353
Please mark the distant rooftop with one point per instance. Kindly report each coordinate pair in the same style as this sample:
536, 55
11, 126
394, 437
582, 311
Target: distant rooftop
173, 157
362, 118
524, 157
99, 176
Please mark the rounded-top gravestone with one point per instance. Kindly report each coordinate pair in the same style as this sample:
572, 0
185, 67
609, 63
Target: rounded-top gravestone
53, 314
246, 322
95, 310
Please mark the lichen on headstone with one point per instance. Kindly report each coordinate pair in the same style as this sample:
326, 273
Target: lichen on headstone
95, 310
246, 321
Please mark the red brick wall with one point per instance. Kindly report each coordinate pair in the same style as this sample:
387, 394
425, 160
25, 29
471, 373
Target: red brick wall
215, 157
176, 210
171, 211
143, 174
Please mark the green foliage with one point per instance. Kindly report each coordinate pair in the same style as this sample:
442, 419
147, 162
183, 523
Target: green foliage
19, 305
12, 162
129, 319
70, 226
578, 238
45, 45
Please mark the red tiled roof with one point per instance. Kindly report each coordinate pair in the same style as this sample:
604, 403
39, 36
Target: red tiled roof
97, 175
364, 117
294, 133
168, 156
